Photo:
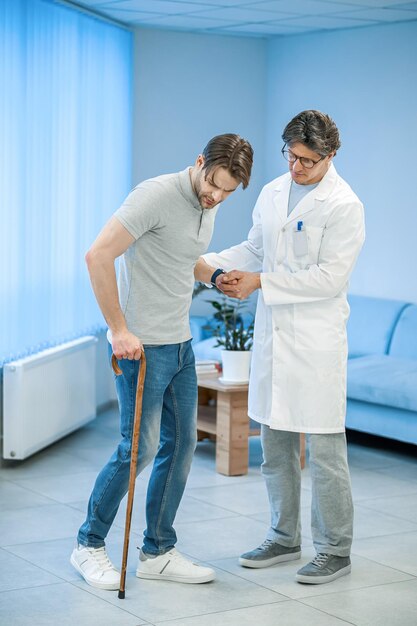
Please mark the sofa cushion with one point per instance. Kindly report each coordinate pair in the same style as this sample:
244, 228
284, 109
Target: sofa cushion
404, 339
383, 380
371, 324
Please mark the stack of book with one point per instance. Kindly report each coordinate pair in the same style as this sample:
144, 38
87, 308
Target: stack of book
207, 367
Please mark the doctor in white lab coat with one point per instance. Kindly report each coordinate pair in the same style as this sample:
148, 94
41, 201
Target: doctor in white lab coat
308, 229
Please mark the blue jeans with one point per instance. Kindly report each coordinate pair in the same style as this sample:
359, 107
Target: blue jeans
168, 434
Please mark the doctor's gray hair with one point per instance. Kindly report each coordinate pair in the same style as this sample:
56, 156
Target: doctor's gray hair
316, 130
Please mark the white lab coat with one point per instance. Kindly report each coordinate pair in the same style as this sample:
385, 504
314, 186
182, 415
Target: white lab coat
298, 372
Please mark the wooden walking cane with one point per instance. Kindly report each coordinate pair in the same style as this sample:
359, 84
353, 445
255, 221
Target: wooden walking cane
133, 462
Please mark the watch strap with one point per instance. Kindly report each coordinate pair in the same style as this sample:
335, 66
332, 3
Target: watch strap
215, 274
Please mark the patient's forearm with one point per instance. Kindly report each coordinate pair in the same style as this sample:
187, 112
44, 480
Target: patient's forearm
202, 271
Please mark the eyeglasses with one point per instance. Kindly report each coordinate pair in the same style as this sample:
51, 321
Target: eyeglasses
304, 161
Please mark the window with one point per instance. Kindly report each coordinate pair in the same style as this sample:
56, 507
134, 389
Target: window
65, 165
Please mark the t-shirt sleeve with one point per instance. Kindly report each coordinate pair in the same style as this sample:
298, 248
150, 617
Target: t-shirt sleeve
140, 212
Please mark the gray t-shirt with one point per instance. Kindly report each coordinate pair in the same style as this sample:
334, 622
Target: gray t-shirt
156, 273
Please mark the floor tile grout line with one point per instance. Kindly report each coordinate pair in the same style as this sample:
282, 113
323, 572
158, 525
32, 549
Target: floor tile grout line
397, 517
353, 554
39, 506
49, 473
305, 602
254, 606
330, 592
385, 534
243, 480
64, 582
413, 492
235, 513
39, 493
382, 498
380, 471
390, 535
91, 593
47, 571
213, 563
28, 543
36, 493
360, 500
340, 619
216, 506
377, 586
35, 478
178, 524
367, 558
228, 486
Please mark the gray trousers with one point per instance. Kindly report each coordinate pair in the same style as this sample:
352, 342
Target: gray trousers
331, 505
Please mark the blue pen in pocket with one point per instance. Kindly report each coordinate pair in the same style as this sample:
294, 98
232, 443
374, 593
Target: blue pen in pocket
300, 241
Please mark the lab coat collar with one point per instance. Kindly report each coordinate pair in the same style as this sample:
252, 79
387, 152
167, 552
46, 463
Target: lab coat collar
326, 185
323, 188
320, 193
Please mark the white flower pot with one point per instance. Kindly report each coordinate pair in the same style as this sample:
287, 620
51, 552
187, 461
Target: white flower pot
236, 365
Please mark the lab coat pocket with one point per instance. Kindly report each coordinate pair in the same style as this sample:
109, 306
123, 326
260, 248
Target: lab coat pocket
304, 253
318, 327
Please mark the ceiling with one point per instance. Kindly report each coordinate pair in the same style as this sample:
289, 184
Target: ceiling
259, 18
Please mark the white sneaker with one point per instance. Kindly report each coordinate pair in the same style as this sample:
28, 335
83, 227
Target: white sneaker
95, 567
173, 566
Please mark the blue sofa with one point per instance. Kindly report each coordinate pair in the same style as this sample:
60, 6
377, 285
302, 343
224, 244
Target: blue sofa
382, 365
382, 368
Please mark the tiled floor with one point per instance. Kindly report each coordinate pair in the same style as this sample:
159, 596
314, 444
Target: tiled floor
42, 503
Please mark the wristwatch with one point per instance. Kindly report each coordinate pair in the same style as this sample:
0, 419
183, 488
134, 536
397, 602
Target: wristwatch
215, 275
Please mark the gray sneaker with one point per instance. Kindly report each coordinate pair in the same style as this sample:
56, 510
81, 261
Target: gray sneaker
269, 553
323, 569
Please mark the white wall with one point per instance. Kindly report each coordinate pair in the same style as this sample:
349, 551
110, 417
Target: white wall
366, 79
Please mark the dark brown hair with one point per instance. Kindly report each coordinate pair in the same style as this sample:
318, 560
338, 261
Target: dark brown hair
231, 152
316, 130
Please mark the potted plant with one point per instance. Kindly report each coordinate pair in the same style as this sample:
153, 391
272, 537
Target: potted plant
235, 337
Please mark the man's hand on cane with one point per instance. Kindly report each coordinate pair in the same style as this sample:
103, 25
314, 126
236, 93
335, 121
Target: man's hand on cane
126, 346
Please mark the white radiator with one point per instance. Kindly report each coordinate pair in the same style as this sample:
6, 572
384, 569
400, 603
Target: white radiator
47, 396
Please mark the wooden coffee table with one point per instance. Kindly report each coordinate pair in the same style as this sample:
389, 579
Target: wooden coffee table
223, 416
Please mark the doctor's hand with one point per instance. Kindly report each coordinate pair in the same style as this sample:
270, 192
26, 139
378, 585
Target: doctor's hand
240, 285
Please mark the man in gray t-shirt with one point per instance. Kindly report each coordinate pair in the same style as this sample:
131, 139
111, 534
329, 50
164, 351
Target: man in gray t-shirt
156, 275
159, 232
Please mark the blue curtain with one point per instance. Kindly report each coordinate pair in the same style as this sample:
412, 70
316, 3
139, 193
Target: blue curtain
65, 164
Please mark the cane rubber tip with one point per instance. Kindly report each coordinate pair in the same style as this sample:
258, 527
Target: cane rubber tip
121, 595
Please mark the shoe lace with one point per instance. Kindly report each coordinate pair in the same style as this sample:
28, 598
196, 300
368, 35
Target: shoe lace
177, 556
101, 558
320, 559
266, 543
